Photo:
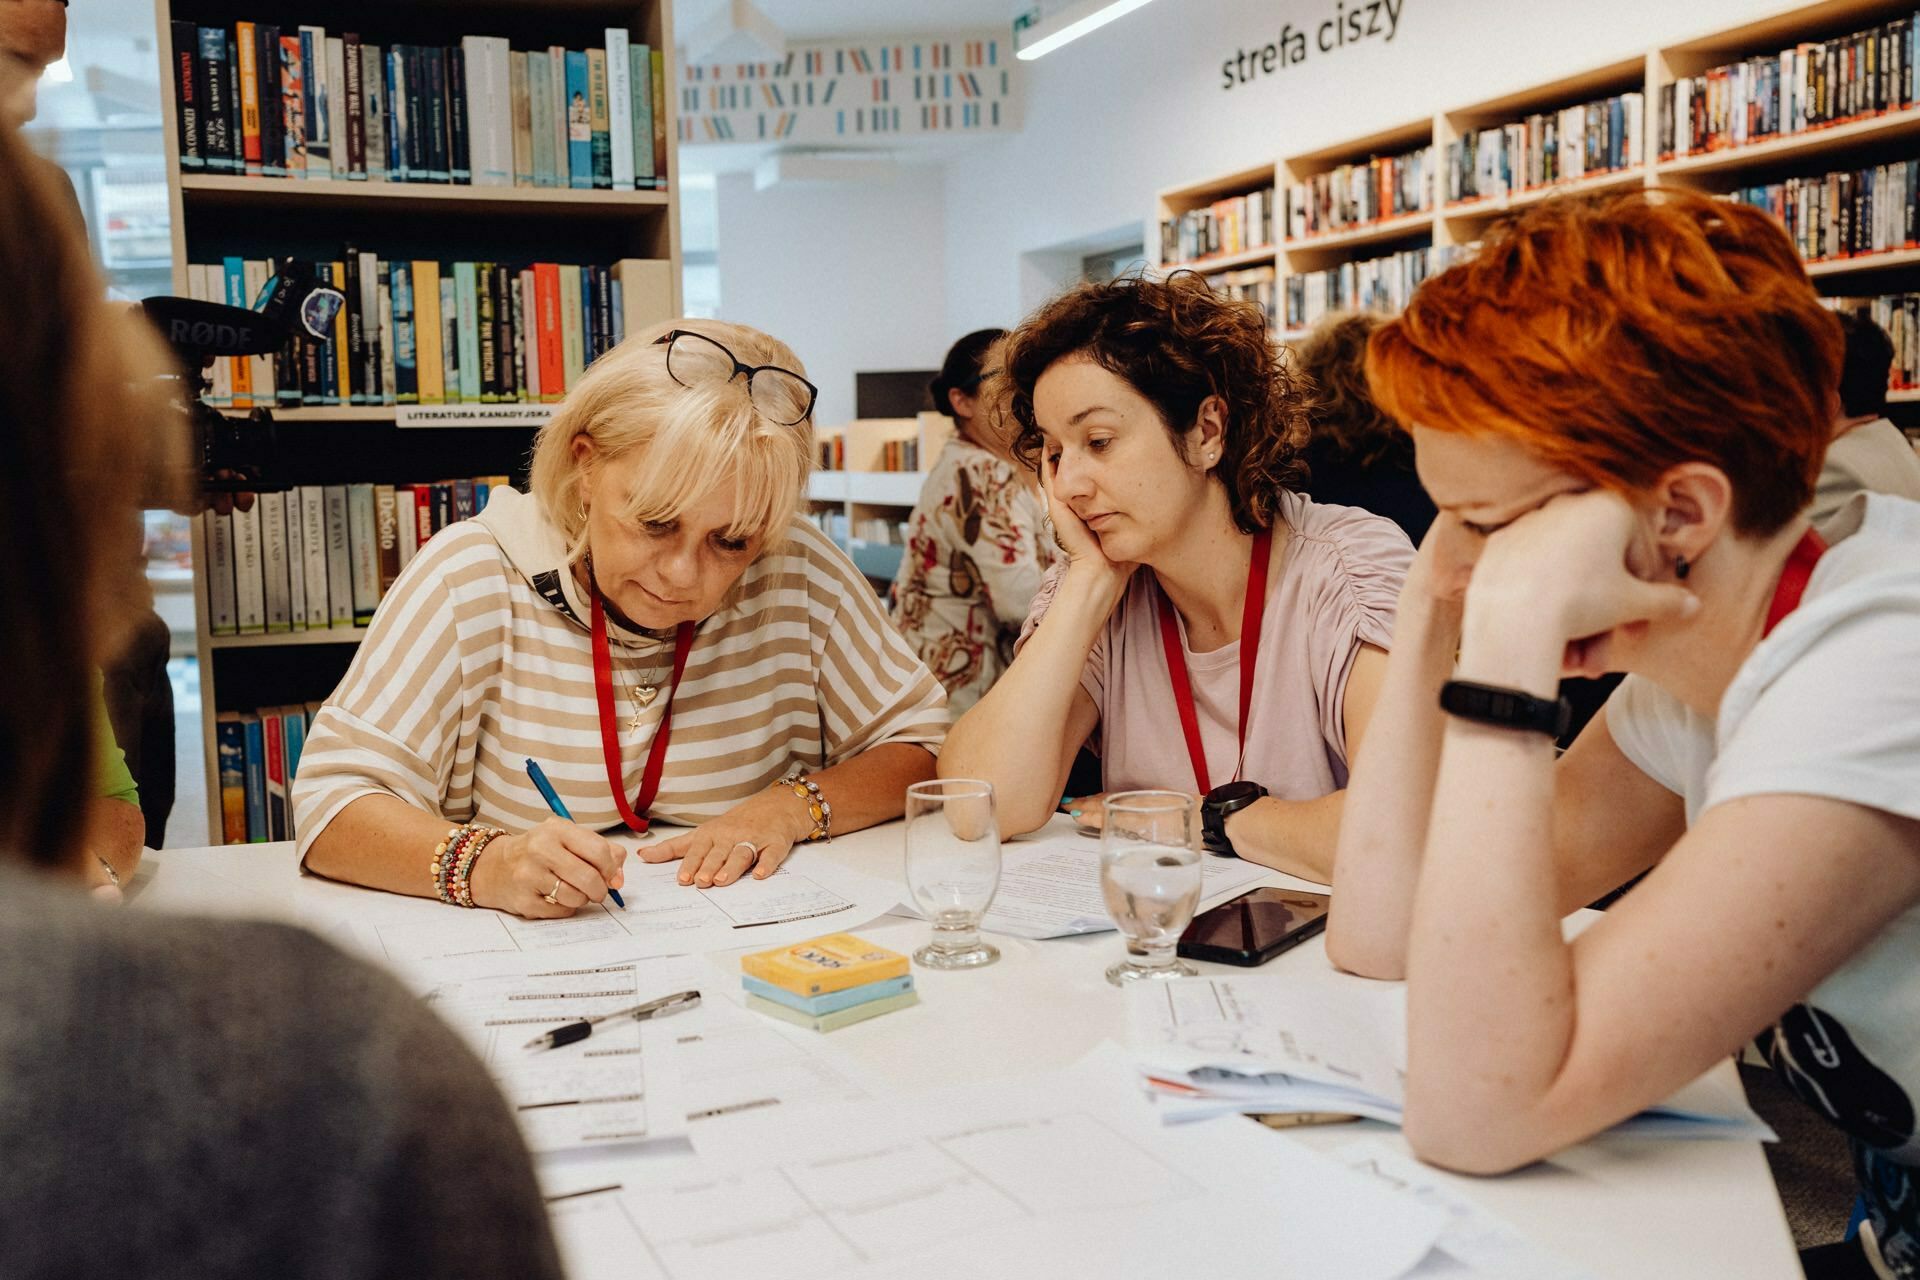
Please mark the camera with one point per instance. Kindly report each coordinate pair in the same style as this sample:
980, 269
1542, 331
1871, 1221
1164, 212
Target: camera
235, 455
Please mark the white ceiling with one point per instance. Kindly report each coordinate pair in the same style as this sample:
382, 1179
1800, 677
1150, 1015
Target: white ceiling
850, 19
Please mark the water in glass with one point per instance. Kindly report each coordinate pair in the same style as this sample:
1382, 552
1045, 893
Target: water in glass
1150, 877
953, 868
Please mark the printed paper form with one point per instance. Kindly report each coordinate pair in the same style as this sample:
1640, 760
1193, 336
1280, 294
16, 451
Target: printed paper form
1050, 887
663, 917
595, 1092
1034, 1178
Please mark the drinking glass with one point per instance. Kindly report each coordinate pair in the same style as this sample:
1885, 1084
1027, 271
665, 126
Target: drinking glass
1150, 876
953, 868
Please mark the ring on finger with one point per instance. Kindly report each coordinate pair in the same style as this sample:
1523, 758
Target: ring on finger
751, 848
552, 895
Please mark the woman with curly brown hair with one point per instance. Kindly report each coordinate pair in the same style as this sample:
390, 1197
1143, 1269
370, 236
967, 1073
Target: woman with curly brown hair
1221, 633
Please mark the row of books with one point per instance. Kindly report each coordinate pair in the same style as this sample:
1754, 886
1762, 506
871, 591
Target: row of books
868, 529
259, 751
1814, 83
296, 102
1232, 225
434, 333
1372, 284
1845, 215
318, 557
1899, 315
1548, 147
895, 455
1355, 195
1251, 284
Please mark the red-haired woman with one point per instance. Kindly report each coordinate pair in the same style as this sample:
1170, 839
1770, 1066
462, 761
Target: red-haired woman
1620, 409
1243, 663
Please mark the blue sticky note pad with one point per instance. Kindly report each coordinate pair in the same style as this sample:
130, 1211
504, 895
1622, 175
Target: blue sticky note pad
832, 1001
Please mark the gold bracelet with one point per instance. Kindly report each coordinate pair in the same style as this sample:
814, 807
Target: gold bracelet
817, 807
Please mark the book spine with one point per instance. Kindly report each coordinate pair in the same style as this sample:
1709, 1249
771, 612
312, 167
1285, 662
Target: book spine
216, 124
373, 106
247, 45
313, 58
520, 103
449, 341
487, 334
573, 347
553, 375
249, 576
296, 563
499, 117
620, 107
386, 529
367, 376
527, 318
273, 739
339, 356
659, 120
188, 85
540, 117
640, 74
313, 543
617, 290
459, 109
353, 73
399, 117
230, 737
406, 384
389, 375
562, 119
508, 384
336, 105
439, 121
522, 390
256, 780
430, 379
293, 107
222, 620
353, 314
463, 503
293, 723
406, 519
364, 536
422, 514
273, 561
467, 330
600, 138
272, 108
579, 122
339, 556
442, 506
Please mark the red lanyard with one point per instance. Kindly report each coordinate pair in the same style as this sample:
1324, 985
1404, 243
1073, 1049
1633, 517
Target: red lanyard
1793, 579
1251, 613
609, 733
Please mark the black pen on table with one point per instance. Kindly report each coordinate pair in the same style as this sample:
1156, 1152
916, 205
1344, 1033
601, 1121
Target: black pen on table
580, 1030
552, 798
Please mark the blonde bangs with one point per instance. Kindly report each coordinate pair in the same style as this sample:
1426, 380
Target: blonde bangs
710, 439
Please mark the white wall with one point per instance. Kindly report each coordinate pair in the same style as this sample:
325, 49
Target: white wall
851, 275
1138, 106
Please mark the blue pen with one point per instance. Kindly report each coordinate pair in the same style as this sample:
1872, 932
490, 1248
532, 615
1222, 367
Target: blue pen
552, 798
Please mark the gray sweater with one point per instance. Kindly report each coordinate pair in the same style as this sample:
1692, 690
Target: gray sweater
188, 1097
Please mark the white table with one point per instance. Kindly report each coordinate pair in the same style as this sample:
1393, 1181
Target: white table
1619, 1207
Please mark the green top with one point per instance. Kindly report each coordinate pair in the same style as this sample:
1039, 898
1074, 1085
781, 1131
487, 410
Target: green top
116, 780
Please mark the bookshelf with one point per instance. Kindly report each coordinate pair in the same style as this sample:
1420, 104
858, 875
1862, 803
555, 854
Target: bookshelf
1863, 140
215, 215
862, 490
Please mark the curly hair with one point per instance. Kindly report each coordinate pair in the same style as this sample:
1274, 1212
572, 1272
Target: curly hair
1622, 336
1177, 342
1344, 421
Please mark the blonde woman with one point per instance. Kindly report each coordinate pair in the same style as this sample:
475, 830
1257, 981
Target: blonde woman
654, 626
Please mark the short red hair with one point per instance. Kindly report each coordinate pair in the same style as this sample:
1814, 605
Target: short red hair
1619, 337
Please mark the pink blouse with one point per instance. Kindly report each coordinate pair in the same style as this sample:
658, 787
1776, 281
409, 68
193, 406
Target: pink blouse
1333, 587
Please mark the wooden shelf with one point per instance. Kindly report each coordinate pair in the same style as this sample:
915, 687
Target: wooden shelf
1195, 194
231, 189
1494, 206
279, 639
1890, 127
1865, 262
1373, 233
378, 413
1256, 257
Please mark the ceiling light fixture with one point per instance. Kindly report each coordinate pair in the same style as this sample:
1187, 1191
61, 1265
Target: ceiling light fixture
1038, 38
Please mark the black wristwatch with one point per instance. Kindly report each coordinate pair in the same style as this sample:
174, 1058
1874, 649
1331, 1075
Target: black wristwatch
1506, 708
1220, 804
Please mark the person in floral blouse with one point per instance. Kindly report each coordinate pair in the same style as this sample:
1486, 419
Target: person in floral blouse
976, 545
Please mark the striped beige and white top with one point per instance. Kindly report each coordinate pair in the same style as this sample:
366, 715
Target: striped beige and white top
479, 657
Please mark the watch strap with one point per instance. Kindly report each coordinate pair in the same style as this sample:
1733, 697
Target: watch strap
1506, 708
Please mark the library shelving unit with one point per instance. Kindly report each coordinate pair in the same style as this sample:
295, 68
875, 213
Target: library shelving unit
1870, 140
862, 491
215, 215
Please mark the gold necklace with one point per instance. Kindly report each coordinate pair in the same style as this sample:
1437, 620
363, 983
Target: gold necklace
642, 692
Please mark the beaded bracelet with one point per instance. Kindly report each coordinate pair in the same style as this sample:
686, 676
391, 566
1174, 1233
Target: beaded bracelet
817, 807
452, 865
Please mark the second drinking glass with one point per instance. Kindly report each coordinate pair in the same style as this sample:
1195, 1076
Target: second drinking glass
953, 868
1150, 876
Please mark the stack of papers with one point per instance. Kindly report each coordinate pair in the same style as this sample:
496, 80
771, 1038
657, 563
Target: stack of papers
1313, 1039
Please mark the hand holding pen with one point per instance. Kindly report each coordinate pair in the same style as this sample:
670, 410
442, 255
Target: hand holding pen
552, 798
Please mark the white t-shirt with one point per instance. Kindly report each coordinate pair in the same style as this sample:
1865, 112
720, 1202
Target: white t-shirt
1827, 705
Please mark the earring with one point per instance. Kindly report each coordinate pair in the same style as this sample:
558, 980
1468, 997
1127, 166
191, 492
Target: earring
1681, 568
